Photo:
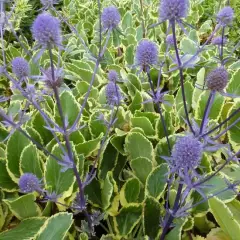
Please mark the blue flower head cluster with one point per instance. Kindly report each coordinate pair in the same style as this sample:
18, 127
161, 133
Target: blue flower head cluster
46, 30
20, 67
110, 17
28, 183
146, 54
173, 9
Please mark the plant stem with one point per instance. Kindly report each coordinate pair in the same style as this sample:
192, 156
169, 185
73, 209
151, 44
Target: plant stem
222, 123
207, 110
181, 76
67, 142
171, 216
159, 111
143, 22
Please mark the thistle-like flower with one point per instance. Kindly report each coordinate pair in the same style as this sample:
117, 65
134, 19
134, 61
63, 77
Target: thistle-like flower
113, 94
217, 79
46, 30
173, 9
218, 41
110, 17
20, 67
225, 16
187, 152
29, 182
146, 54
113, 76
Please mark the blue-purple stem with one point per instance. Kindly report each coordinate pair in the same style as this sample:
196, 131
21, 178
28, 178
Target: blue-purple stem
170, 216
181, 76
207, 111
92, 80
159, 111
221, 47
67, 142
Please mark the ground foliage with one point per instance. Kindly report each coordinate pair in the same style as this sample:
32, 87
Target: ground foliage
132, 192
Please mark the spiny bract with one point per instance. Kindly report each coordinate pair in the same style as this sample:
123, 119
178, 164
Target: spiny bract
20, 67
173, 9
46, 30
225, 16
217, 79
187, 152
110, 17
29, 182
146, 53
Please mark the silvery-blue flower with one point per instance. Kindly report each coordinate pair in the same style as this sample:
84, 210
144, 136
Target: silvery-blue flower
29, 182
173, 9
46, 30
225, 16
20, 67
146, 53
110, 17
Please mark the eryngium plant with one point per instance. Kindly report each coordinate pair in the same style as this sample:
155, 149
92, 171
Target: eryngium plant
148, 152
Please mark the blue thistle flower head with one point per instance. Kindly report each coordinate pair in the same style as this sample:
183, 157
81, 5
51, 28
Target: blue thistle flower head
113, 94
173, 9
110, 17
46, 30
218, 41
225, 16
187, 152
146, 53
20, 67
113, 76
28, 183
169, 39
217, 79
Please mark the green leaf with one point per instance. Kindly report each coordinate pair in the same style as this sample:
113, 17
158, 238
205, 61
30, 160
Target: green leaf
108, 161
6, 183
56, 227
141, 168
151, 216
27, 229
127, 219
156, 181
128, 54
24, 206
136, 103
93, 192
70, 108
233, 85
216, 109
137, 145
107, 190
60, 182
176, 232
188, 46
233, 133
38, 124
15, 145
130, 192
143, 123
127, 20
96, 126
118, 143
88, 147
224, 218
30, 161
200, 82
234, 207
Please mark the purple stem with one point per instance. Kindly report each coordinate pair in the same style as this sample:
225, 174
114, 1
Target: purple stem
221, 47
92, 81
181, 76
159, 110
207, 110
169, 216
67, 141
222, 123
